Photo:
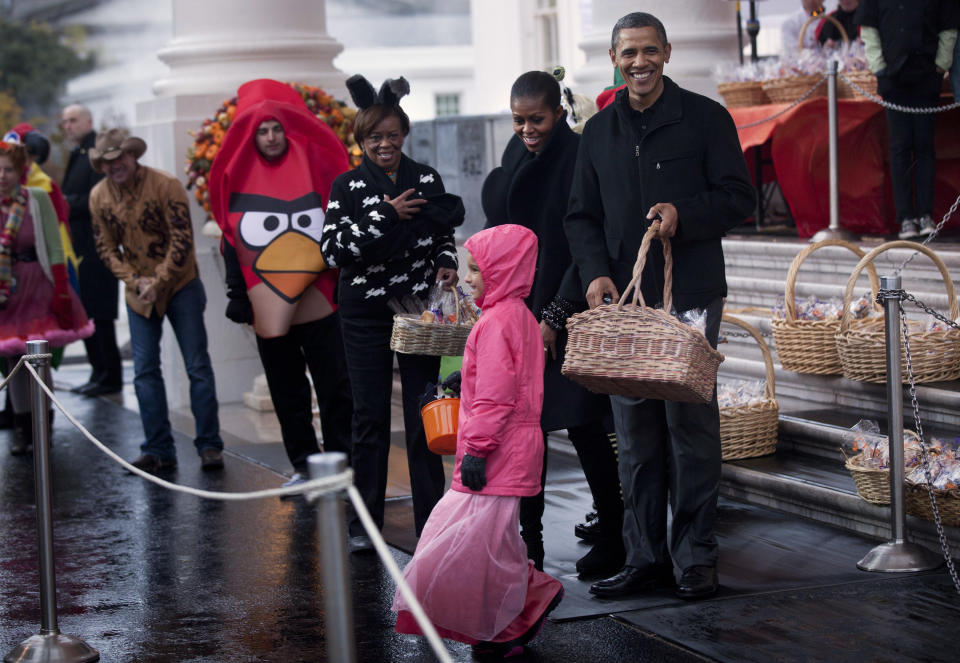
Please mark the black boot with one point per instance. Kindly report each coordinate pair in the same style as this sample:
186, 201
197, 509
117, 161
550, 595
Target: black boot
605, 558
22, 435
535, 551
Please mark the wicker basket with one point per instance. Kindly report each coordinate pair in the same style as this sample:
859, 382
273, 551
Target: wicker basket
809, 346
413, 336
917, 501
864, 79
747, 431
862, 348
873, 484
635, 350
787, 89
743, 93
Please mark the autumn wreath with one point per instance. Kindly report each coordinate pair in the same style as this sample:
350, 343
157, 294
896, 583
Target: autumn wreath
207, 140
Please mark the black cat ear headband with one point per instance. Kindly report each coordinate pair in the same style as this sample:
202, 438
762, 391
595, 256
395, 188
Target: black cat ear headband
363, 95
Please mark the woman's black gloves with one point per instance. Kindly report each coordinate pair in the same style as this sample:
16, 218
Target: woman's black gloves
473, 472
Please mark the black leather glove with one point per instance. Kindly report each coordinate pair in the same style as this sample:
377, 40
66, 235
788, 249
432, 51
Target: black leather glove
473, 472
240, 311
453, 383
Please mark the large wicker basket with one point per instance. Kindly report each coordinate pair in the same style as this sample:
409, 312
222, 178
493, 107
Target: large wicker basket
737, 94
634, 350
862, 348
413, 336
917, 501
809, 346
747, 431
787, 89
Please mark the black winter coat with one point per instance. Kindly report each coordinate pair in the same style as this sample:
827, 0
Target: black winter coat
531, 190
99, 290
690, 156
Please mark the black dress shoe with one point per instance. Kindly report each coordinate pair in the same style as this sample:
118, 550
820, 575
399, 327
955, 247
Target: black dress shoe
632, 580
101, 389
588, 531
697, 582
603, 560
154, 464
81, 388
360, 544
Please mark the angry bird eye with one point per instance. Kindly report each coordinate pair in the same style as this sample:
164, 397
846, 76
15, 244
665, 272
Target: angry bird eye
258, 229
309, 222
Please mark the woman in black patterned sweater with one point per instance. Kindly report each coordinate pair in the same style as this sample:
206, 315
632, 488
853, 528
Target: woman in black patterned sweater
389, 228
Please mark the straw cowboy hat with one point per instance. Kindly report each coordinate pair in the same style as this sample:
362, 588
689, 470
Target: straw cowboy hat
111, 144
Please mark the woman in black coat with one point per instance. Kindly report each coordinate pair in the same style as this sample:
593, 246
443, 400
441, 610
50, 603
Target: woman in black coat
389, 228
530, 188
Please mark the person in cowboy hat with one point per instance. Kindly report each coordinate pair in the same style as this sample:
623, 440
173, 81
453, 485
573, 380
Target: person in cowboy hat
142, 230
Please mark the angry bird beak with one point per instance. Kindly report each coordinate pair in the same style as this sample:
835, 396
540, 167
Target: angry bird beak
289, 264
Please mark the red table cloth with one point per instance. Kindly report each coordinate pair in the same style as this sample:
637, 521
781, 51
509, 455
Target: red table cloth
797, 143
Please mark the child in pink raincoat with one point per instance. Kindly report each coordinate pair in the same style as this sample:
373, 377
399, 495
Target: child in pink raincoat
470, 570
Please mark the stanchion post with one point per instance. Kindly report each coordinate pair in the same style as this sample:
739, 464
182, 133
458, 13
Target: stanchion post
49, 644
834, 231
332, 535
899, 555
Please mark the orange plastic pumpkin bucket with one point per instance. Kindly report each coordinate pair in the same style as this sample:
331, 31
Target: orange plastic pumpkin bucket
440, 424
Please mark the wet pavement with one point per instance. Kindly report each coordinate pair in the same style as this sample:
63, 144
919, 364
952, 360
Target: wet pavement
144, 574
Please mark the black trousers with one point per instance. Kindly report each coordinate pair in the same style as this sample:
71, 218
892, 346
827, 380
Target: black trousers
670, 453
912, 152
599, 463
103, 354
317, 346
366, 338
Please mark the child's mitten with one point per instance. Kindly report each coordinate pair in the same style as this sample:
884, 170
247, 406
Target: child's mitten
473, 472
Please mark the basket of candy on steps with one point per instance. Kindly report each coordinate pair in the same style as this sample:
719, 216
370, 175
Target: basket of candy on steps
934, 345
632, 349
748, 408
440, 326
867, 455
804, 329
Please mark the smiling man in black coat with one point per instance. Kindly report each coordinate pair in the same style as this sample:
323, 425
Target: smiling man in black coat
660, 151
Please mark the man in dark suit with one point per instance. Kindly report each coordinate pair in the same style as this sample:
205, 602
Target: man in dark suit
98, 285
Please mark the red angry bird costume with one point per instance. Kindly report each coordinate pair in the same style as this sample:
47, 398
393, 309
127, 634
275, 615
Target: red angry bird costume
272, 211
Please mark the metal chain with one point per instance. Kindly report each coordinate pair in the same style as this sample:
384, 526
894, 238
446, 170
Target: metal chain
785, 110
897, 107
903, 295
944, 545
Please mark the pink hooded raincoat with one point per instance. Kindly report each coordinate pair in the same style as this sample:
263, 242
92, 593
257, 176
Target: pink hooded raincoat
502, 392
470, 570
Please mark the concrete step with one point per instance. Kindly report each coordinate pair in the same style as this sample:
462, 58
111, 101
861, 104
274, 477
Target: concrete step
820, 490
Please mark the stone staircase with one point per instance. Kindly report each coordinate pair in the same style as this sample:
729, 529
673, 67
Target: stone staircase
806, 475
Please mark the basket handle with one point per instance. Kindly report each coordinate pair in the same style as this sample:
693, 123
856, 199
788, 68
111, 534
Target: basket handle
867, 261
638, 271
790, 306
770, 390
803, 30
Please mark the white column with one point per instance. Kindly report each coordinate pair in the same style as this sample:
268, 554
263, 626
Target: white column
701, 33
216, 46
219, 44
